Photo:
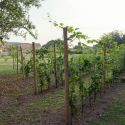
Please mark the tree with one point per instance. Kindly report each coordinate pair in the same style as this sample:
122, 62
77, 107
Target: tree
14, 17
51, 43
117, 36
79, 46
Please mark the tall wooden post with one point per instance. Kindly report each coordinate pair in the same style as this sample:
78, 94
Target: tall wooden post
55, 74
21, 52
17, 60
67, 107
12, 52
34, 68
104, 63
124, 62
13, 61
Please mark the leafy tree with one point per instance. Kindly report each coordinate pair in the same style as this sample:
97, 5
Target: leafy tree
79, 47
14, 17
51, 43
116, 36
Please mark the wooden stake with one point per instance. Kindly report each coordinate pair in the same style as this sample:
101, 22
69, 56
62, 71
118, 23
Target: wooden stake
17, 61
13, 62
124, 61
34, 68
21, 52
104, 65
104, 61
67, 107
55, 74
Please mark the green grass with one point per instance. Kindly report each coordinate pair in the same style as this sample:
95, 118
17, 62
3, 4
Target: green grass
6, 60
31, 111
115, 116
6, 69
6, 65
7, 115
53, 101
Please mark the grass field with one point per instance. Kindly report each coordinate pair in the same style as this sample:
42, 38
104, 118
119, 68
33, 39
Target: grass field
115, 114
6, 69
6, 65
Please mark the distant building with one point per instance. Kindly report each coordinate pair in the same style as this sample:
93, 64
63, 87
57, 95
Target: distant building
28, 46
5, 49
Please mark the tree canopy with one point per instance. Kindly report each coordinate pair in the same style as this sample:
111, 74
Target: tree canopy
14, 17
116, 36
51, 43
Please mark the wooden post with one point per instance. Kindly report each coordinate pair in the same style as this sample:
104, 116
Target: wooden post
34, 68
21, 52
13, 61
66, 101
124, 62
104, 63
55, 74
12, 51
17, 60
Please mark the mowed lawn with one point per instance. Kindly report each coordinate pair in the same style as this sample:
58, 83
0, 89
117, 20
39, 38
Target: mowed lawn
7, 69
6, 65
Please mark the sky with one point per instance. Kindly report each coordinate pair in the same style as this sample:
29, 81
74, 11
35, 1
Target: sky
93, 17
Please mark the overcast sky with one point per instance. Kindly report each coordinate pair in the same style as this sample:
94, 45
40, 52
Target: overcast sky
93, 17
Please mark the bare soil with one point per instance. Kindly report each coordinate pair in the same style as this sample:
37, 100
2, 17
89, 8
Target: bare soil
19, 106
